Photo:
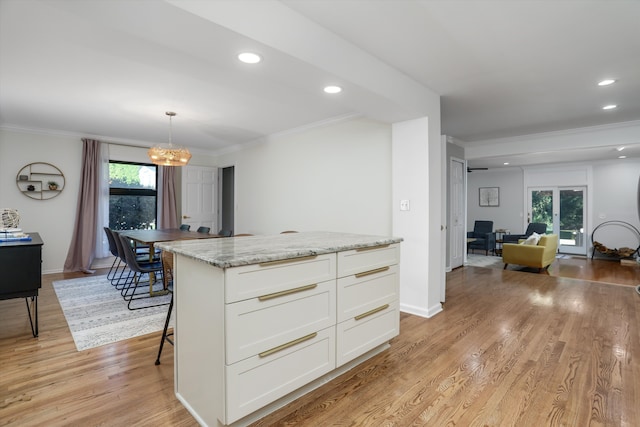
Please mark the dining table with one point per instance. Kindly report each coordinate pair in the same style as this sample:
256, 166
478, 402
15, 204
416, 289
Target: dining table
151, 237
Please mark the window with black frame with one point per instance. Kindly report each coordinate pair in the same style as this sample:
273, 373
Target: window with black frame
133, 196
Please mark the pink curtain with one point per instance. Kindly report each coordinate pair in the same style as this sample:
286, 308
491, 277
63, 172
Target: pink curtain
168, 215
83, 240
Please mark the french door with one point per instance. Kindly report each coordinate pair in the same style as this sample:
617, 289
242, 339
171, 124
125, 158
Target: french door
563, 209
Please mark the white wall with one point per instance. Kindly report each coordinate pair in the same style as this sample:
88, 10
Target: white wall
615, 193
411, 183
52, 218
509, 214
336, 177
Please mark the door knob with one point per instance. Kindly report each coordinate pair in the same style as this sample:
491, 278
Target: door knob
185, 217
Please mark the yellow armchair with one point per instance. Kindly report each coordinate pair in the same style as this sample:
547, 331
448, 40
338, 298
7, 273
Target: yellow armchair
538, 256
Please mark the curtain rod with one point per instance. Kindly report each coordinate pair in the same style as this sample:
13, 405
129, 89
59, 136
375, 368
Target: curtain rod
128, 145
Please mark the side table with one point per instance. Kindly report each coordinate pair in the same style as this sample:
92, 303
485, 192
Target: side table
500, 232
21, 265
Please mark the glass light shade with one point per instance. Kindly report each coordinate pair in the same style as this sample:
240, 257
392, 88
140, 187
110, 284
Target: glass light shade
169, 156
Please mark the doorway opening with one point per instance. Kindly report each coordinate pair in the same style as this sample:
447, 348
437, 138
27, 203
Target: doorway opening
226, 182
563, 209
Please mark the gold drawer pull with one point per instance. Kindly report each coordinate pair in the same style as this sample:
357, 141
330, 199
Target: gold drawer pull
370, 248
287, 345
370, 272
286, 261
287, 292
370, 312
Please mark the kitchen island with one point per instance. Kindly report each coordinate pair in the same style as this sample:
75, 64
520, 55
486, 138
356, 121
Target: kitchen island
262, 320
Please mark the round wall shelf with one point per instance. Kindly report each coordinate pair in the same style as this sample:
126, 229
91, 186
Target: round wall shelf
40, 181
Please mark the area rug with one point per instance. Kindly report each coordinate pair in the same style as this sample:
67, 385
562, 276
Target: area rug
484, 261
97, 314
489, 261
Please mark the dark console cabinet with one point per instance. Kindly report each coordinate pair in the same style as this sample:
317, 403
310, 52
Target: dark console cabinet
21, 266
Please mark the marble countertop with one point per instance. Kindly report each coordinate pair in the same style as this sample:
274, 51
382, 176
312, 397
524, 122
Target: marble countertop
236, 251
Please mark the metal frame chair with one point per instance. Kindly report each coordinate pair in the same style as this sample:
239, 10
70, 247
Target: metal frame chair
167, 278
139, 269
114, 251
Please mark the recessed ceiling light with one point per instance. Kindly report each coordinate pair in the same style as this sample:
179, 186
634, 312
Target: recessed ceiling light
333, 89
505, 163
249, 58
609, 107
622, 157
620, 148
606, 82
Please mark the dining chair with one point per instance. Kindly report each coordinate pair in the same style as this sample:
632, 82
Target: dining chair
167, 278
225, 233
122, 280
203, 229
114, 251
185, 227
139, 269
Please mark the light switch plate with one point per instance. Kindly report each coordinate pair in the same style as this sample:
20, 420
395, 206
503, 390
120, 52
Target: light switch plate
404, 205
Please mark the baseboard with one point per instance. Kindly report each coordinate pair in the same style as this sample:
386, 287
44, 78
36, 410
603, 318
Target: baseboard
419, 311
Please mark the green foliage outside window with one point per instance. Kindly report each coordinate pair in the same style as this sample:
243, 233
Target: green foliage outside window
132, 196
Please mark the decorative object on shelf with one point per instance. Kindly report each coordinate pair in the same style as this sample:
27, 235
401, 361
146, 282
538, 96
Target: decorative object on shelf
40, 181
489, 196
169, 155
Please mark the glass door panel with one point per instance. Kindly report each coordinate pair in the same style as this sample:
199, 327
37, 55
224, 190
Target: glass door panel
563, 210
571, 217
541, 207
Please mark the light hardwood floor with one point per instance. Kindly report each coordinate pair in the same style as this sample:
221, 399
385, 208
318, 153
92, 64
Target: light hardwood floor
510, 349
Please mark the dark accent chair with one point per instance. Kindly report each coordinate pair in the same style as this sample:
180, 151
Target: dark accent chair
484, 236
185, 227
225, 233
203, 229
538, 227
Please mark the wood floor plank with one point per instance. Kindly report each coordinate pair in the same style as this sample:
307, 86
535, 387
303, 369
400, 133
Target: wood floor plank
509, 349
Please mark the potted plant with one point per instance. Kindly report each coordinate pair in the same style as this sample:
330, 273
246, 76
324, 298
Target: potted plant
53, 185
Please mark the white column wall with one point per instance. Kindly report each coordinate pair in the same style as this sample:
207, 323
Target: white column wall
420, 283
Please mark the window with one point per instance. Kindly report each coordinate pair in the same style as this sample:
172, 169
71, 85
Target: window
132, 195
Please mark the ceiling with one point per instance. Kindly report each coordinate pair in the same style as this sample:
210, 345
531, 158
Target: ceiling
502, 69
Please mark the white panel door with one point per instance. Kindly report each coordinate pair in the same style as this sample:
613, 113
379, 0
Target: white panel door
199, 186
457, 238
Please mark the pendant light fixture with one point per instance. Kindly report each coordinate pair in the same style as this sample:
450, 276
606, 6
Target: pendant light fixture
170, 155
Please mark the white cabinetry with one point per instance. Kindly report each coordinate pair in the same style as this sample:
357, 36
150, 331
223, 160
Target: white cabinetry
248, 336
368, 300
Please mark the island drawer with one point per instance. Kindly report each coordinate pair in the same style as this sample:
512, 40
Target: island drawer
359, 294
258, 324
258, 381
255, 280
356, 336
366, 259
